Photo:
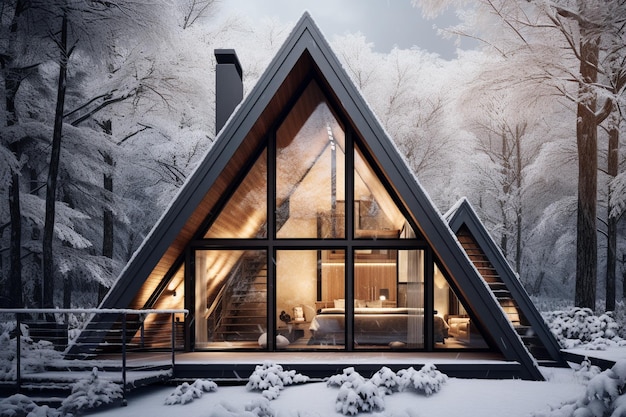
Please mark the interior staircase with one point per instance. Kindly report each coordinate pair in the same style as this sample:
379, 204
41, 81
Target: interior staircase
499, 289
243, 314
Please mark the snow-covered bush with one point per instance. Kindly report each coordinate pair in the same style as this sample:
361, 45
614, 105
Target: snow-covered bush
35, 356
586, 371
75, 324
270, 378
387, 380
19, 405
7, 356
90, 392
186, 393
348, 375
604, 396
427, 380
359, 395
580, 326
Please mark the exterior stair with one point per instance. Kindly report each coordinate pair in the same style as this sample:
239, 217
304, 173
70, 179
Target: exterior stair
504, 297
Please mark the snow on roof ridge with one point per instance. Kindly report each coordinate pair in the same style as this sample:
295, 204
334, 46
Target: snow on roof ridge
455, 207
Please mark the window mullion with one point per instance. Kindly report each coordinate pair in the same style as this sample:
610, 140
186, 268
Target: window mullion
271, 236
349, 228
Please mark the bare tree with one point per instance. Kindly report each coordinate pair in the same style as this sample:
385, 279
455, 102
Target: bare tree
193, 10
529, 28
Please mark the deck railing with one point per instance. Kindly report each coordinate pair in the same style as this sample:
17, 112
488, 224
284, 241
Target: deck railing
44, 338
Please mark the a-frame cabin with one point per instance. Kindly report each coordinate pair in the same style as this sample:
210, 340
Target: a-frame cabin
504, 283
304, 208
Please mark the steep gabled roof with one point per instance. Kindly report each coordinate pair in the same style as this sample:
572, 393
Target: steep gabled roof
305, 52
462, 218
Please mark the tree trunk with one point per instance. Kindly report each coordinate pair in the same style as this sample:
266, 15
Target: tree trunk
506, 189
107, 216
611, 246
519, 133
15, 279
14, 286
586, 137
51, 186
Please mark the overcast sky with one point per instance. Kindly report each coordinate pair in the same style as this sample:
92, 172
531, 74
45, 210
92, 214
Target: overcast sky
385, 23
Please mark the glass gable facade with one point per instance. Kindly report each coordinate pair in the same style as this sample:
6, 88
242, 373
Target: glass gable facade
313, 247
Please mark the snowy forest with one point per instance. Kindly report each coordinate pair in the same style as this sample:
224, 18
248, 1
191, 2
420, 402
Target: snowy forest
109, 105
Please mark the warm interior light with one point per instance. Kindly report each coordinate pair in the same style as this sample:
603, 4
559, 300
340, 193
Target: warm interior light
383, 294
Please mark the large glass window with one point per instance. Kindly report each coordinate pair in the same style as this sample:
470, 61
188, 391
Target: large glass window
231, 298
303, 278
363, 290
389, 299
310, 170
376, 215
462, 330
244, 216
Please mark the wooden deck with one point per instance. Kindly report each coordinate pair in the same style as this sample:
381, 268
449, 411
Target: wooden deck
234, 366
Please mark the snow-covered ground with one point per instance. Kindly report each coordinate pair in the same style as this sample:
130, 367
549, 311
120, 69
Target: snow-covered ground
457, 397
272, 391
565, 392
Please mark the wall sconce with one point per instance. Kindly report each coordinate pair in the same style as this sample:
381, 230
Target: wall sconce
383, 294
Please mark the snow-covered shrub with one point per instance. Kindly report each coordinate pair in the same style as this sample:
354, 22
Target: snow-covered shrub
270, 378
359, 395
7, 356
580, 326
348, 375
35, 356
604, 396
586, 371
19, 405
90, 392
427, 380
186, 393
75, 324
386, 379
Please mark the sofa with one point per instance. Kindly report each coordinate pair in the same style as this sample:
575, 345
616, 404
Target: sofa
459, 328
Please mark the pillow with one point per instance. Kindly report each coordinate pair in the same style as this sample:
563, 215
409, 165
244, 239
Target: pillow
375, 304
340, 303
360, 304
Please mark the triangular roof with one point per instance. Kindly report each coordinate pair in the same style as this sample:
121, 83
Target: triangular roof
462, 217
306, 52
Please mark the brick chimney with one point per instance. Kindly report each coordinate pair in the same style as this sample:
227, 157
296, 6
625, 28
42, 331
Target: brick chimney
228, 86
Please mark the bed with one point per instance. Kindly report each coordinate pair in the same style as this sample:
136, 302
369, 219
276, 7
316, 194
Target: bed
395, 327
